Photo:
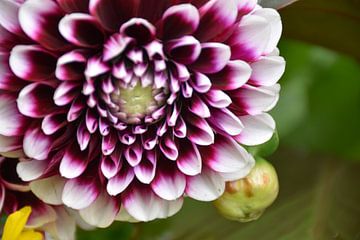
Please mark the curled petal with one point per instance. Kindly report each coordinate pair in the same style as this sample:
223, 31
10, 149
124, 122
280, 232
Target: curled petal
145, 171
81, 29
250, 40
233, 76
12, 122
31, 170
226, 156
81, 192
213, 58
74, 162
71, 6
121, 181
139, 29
225, 121
199, 131
9, 16
71, 65
255, 100
189, 161
53, 122
184, 50
180, 20
31, 62
257, 130
39, 20
36, 144
35, 100
219, 13
169, 182
113, 13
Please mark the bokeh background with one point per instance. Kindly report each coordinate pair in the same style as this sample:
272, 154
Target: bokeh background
318, 120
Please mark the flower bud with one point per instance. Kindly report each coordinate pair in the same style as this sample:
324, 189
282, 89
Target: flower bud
246, 199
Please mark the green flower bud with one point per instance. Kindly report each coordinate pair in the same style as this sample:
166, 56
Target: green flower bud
246, 199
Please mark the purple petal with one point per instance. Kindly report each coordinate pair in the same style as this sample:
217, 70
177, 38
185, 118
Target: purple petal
113, 13
80, 192
219, 13
39, 20
169, 183
133, 153
145, 171
233, 76
53, 122
198, 130
255, 100
189, 161
8, 81
213, 58
31, 62
83, 136
115, 45
250, 40
108, 143
37, 145
12, 122
199, 107
9, 16
200, 82
71, 65
74, 162
71, 6
110, 165
169, 147
121, 181
139, 29
227, 156
225, 121
183, 50
66, 92
81, 30
217, 99
180, 20
35, 100
9, 144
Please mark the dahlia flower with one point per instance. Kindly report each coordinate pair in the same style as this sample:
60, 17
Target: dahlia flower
123, 107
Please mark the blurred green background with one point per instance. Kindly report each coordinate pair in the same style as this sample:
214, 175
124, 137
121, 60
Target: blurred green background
318, 161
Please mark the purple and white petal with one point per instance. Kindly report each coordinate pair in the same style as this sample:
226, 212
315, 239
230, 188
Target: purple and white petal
31, 170
258, 129
31, 62
233, 76
267, 70
102, 212
39, 20
36, 144
189, 161
184, 50
225, 121
180, 20
213, 58
206, 186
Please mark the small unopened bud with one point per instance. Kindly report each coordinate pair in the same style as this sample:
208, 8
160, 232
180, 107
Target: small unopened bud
246, 199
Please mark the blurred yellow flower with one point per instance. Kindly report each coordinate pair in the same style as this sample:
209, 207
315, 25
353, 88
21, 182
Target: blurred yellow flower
14, 228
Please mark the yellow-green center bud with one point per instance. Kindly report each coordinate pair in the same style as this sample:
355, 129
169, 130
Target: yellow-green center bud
246, 199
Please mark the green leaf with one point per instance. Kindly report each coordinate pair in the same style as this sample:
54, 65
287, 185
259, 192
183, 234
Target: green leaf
277, 4
318, 200
330, 23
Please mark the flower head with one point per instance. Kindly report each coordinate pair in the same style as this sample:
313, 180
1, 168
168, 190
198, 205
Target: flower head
135, 104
